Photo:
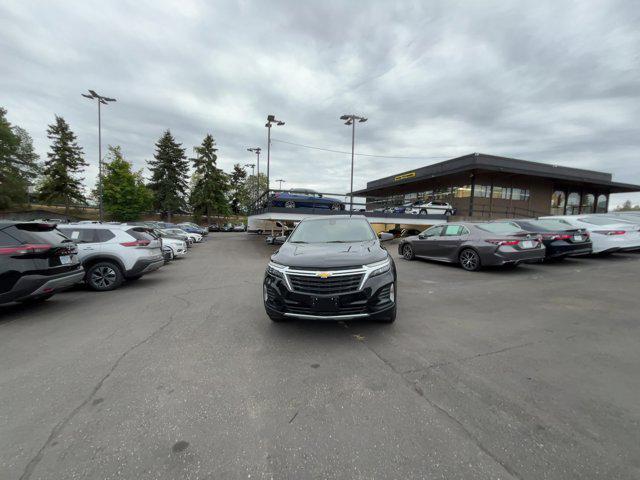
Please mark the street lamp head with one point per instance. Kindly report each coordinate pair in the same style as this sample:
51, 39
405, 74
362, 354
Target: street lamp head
271, 118
87, 96
280, 122
348, 122
362, 120
103, 102
344, 117
93, 94
109, 99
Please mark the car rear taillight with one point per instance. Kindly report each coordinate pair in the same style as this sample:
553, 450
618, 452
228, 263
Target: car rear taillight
137, 243
555, 236
503, 242
610, 232
25, 249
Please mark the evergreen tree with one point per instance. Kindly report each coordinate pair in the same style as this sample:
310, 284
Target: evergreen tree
169, 173
64, 162
18, 163
210, 184
124, 194
238, 190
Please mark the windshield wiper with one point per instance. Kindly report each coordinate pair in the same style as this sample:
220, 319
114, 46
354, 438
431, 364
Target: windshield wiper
298, 241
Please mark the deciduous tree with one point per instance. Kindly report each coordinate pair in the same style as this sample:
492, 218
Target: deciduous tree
124, 194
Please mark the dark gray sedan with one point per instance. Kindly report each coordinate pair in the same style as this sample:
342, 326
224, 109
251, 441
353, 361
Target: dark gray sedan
474, 245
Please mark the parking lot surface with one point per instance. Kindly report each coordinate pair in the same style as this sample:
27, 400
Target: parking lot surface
527, 373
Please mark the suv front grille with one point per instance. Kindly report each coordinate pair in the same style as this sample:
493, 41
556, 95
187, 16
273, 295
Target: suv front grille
332, 285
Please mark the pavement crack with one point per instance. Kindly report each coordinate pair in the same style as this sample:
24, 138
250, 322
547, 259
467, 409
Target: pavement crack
33, 463
444, 412
294, 416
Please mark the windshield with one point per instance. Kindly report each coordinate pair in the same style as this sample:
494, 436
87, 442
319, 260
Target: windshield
502, 228
331, 230
600, 221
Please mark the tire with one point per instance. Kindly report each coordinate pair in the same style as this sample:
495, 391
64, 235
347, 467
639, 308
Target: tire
469, 260
277, 318
422, 212
335, 206
104, 276
36, 300
172, 254
289, 204
407, 252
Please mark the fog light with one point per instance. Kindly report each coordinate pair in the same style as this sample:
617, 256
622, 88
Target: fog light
392, 293
264, 292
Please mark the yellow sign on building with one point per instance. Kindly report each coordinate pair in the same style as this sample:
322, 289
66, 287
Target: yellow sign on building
404, 176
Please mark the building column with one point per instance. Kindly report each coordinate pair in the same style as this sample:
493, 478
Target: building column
473, 191
491, 199
606, 204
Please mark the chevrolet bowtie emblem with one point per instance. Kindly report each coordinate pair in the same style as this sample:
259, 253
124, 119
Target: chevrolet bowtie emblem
323, 274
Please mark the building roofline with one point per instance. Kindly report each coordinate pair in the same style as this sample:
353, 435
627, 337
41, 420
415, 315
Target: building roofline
484, 162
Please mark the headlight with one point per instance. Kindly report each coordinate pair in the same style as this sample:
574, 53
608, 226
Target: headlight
379, 268
275, 269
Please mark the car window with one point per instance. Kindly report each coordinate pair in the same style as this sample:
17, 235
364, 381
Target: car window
502, 228
550, 224
33, 233
104, 235
6, 239
600, 221
333, 230
433, 231
452, 230
81, 235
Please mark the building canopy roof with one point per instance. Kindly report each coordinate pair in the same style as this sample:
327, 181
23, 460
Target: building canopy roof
480, 162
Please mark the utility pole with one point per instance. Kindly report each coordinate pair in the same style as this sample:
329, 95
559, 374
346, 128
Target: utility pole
253, 166
271, 120
351, 120
101, 101
281, 182
257, 151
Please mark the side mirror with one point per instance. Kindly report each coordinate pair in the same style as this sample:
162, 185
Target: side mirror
422, 236
385, 236
276, 240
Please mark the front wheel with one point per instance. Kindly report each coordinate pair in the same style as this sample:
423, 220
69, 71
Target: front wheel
335, 206
289, 204
103, 276
469, 260
407, 252
423, 212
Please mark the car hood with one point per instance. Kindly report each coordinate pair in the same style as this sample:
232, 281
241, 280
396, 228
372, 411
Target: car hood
329, 255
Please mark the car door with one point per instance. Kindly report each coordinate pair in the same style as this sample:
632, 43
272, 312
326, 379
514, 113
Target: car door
426, 244
451, 239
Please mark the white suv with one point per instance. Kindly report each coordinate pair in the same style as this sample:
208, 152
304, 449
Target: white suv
112, 253
431, 208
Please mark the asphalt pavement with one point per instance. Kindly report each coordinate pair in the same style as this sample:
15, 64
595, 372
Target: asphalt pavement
526, 373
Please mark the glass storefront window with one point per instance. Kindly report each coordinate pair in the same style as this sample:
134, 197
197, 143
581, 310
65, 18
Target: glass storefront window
588, 203
462, 192
497, 192
557, 202
520, 194
601, 206
482, 191
573, 204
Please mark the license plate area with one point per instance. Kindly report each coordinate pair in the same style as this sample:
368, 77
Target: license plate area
577, 238
65, 259
526, 244
325, 304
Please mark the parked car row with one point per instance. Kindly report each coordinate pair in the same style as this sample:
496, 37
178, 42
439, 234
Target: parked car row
38, 259
421, 207
228, 227
474, 245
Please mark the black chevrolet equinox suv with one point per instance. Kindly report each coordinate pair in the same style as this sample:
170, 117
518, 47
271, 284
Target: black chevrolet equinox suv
36, 260
331, 269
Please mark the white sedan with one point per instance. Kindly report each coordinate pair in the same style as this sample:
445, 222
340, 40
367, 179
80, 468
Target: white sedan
195, 237
607, 234
431, 208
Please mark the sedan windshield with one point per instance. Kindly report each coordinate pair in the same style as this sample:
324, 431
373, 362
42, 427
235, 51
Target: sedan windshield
550, 224
339, 230
600, 221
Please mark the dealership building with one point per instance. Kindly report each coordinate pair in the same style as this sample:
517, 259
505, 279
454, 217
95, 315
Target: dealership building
488, 186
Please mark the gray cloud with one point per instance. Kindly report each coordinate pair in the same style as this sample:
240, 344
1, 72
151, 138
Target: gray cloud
544, 81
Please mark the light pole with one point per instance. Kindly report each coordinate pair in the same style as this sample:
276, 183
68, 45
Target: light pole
257, 151
253, 166
351, 120
101, 101
271, 119
281, 182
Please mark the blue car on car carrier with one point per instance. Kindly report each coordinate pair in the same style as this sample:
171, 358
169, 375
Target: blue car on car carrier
304, 198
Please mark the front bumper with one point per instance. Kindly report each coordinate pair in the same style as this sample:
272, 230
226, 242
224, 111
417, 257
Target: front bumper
372, 301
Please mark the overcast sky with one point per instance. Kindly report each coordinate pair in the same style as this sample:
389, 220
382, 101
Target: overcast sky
549, 81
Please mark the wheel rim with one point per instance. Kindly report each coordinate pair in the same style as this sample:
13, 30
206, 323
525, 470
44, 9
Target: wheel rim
289, 204
423, 212
335, 206
103, 277
407, 252
469, 260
